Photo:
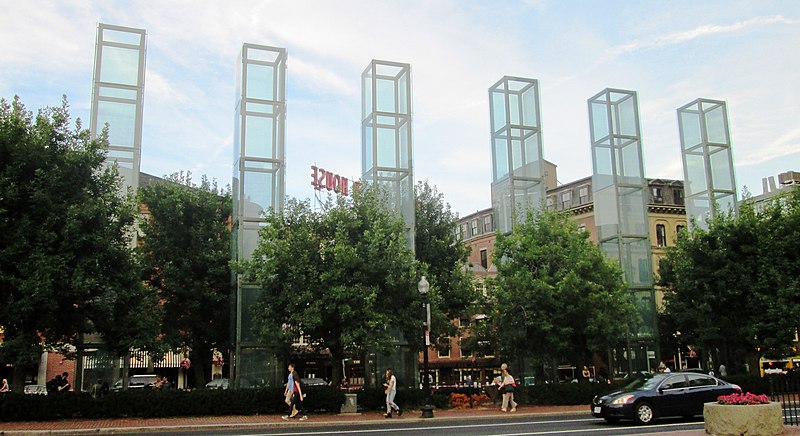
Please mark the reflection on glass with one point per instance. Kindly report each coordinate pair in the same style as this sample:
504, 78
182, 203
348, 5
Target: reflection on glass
121, 119
119, 65
720, 169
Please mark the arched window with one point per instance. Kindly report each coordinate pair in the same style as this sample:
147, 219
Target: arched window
661, 235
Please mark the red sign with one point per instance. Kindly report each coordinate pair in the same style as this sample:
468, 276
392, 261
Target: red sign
323, 179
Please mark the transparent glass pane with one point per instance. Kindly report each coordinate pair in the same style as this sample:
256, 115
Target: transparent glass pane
726, 203
606, 214
258, 193
699, 208
403, 100
108, 91
259, 139
516, 154
501, 164
632, 210
629, 164
385, 93
405, 146
118, 36
366, 99
721, 172
529, 108
532, 148
387, 148
603, 168
636, 261
646, 311
256, 368
249, 240
121, 119
527, 195
366, 148
258, 54
514, 108
611, 249
260, 108
695, 173
599, 121
260, 81
715, 125
498, 111
119, 65
627, 117
120, 154
690, 129
502, 205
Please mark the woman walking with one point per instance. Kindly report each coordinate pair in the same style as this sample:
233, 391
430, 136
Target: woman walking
507, 388
391, 392
295, 392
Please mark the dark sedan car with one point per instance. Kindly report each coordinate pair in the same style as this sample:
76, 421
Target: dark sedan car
660, 395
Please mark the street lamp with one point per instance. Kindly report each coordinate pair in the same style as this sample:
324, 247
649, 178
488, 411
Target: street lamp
427, 409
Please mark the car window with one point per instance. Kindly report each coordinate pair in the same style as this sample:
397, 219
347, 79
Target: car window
675, 382
701, 380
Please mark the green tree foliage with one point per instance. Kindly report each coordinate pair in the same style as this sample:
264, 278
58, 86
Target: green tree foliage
734, 289
186, 253
443, 257
556, 295
66, 264
343, 276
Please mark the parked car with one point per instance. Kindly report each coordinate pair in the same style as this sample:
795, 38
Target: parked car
35, 390
137, 382
661, 395
220, 383
313, 382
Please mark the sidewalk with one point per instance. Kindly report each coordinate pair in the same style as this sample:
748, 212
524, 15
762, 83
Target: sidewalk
129, 425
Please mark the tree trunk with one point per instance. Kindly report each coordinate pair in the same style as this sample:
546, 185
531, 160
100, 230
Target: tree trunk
336, 361
200, 361
18, 379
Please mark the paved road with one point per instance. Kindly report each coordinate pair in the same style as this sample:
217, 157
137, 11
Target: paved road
568, 424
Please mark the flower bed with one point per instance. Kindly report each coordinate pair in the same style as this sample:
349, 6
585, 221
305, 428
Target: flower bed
738, 414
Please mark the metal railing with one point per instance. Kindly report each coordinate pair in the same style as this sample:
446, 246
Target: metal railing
786, 392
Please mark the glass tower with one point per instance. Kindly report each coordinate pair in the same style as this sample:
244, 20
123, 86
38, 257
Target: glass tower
707, 160
386, 136
386, 160
620, 212
118, 96
258, 188
518, 179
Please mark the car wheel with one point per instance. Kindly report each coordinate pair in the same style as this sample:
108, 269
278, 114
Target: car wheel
644, 413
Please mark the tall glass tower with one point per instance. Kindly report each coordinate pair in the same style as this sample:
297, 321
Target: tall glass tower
386, 147
386, 160
118, 96
620, 212
258, 188
518, 179
707, 160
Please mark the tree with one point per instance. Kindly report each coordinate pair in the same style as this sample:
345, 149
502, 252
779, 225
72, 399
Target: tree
715, 278
556, 295
443, 257
186, 254
342, 276
66, 265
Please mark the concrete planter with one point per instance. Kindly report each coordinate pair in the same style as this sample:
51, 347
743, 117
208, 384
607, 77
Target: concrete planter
757, 419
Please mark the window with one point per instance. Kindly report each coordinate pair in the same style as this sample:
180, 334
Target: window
444, 347
661, 235
551, 203
675, 382
484, 259
583, 195
474, 227
487, 224
678, 229
582, 227
701, 380
462, 230
678, 194
658, 197
566, 200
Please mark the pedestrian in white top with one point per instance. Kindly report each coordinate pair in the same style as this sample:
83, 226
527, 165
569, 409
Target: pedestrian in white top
391, 392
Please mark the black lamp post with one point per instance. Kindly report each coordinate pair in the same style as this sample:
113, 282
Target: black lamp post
427, 409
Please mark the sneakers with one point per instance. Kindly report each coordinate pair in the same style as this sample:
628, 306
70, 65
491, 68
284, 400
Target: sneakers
513, 409
303, 418
285, 417
399, 412
387, 415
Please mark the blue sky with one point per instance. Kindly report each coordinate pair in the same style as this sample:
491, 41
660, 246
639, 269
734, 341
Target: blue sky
743, 52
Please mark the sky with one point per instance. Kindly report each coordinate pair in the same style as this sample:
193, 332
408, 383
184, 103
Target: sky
670, 53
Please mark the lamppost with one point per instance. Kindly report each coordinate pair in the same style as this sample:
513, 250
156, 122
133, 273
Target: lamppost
427, 409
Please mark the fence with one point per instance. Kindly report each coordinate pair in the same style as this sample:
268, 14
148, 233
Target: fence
787, 392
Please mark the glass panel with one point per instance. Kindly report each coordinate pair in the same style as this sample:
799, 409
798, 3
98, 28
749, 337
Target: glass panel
646, 309
385, 94
690, 128
121, 37
248, 233
636, 262
405, 147
500, 159
529, 107
387, 152
258, 368
514, 108
120, 154
498, 111
384, 121
606, 214
366, 148
502, 205
257, 54
599, 121
726, 203
121, 119
259, 108
721, 173
258, 193
632, 210
258, 140
260, 79
402, 88
696, 174
611, 249
119, 65
107, 91
516, 154
603, 169
527, 195
629, 165
715, 125
627, 117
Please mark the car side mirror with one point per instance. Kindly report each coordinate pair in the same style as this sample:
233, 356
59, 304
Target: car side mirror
661, 390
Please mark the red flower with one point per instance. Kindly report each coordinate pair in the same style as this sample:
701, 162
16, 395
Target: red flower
743, 399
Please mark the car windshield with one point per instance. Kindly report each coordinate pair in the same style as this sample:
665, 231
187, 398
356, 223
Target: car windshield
645, 382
